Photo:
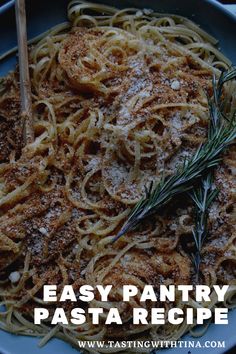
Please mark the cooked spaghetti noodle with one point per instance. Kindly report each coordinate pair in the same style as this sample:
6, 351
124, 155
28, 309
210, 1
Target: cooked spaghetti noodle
118, 99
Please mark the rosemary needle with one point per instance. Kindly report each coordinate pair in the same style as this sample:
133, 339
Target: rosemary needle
205, 158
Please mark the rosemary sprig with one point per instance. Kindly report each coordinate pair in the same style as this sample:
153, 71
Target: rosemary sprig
205, 158
204, 195
203, 198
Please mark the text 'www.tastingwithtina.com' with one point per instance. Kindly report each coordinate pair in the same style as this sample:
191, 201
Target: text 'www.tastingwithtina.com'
96, 344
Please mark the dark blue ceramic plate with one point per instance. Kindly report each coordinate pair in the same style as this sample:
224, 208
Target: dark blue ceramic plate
44, 14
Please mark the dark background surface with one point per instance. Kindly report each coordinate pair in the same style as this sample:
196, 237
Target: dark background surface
222, 1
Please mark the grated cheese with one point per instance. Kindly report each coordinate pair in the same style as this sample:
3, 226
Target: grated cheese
14, 277
175, 85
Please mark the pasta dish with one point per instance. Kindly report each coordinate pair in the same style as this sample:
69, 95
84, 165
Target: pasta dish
119, 99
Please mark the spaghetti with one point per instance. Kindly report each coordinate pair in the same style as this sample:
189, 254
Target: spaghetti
118, 99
